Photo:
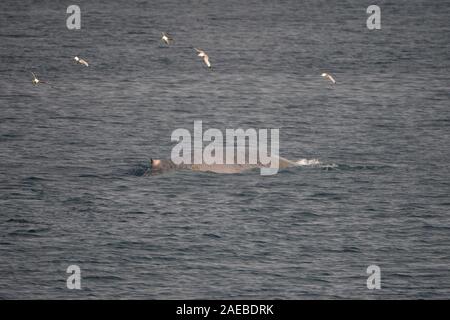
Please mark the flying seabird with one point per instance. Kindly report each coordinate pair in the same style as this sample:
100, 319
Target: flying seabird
167, 39
329, 77
81, 61
205, 57
35, 80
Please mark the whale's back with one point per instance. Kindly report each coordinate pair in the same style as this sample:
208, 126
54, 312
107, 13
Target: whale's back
239, 164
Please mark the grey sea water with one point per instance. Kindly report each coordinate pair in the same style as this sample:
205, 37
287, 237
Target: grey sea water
71, 153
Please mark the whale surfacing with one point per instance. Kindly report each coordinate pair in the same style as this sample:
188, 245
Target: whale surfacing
158, 166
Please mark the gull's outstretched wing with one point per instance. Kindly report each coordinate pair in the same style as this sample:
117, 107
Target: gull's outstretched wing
206, 59
332, 79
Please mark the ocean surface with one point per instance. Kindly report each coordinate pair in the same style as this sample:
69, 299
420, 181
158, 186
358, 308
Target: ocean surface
372, 186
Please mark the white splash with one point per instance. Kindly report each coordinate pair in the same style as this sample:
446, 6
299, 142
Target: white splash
308, 162
315, 163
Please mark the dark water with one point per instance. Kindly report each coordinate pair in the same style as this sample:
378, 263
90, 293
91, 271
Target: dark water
377, 194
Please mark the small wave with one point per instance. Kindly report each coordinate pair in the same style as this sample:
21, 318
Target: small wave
212, 235
18, 220
356, 167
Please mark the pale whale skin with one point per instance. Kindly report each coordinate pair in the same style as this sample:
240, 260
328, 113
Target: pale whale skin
163, 166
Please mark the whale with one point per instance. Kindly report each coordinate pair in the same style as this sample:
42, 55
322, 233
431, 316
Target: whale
161, 166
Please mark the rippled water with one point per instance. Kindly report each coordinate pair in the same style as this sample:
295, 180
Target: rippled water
372, 188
